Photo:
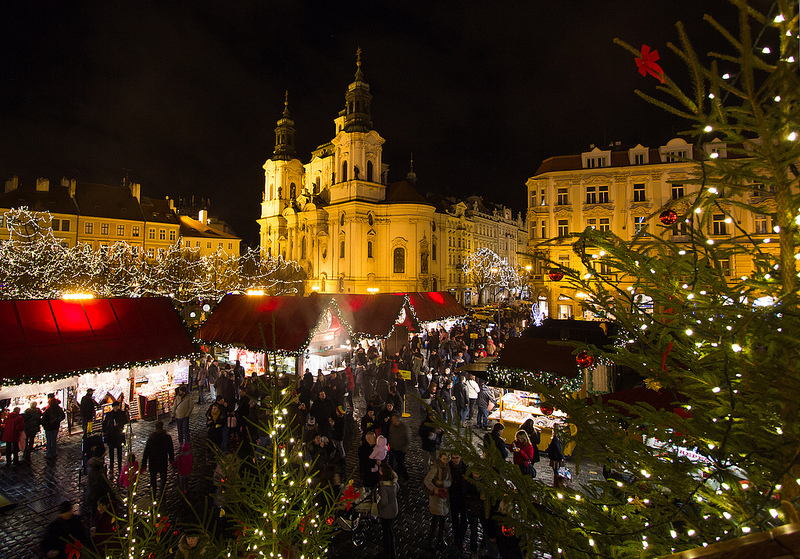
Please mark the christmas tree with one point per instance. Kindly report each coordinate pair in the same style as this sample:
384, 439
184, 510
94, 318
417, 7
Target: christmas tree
722, 460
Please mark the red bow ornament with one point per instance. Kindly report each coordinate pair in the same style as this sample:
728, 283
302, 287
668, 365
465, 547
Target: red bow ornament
349, 495
74, 550
647, 63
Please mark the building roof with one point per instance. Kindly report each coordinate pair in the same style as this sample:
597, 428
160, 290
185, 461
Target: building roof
371, 316
158, 211
46, 338
404, 191
55, 200
114, 202
194, 228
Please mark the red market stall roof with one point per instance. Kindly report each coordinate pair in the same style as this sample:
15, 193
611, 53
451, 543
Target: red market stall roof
534, 354
240, 320
373, 316
430, 306
57, 338
525, 359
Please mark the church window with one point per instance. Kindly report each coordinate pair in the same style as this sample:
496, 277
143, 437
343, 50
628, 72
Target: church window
433, 252
317, 189
399, 260
423, 263
292, 191
369, 171
341, 220
303, 249
371, 220
369, 249
341, 249
344, 171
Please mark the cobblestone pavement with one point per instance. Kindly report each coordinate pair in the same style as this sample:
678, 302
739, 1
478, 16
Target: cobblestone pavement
37, 488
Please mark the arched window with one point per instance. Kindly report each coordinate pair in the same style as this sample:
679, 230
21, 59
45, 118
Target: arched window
344, 171
292, 191
369, 249
303, 249
341, 249
341, 220
317, 190
399, 260
370, 219
369, 171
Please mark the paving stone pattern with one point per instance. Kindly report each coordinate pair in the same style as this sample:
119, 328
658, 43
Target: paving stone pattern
38, 487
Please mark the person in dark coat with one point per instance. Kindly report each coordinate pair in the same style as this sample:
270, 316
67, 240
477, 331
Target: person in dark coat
114, 433
323, 409
51, 421
384, 417
88, 407
33, 422
461, 400
217, 423
431, 439
458, 499
97, 484
159, 451
369, 478
497, 438
369, 423
62, 532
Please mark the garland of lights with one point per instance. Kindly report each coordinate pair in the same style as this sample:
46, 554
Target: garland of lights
54, 377
510, 378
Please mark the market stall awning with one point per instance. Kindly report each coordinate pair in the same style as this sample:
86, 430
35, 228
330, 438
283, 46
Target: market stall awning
662, 399
525, 359
263, 323
430, 306
52, 338
531, 354
372, 316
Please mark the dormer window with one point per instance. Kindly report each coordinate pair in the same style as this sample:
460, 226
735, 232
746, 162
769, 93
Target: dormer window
596, 158
639, 155
676, 150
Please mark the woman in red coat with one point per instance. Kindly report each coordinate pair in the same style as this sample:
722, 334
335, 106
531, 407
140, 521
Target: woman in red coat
12, 430
523, 452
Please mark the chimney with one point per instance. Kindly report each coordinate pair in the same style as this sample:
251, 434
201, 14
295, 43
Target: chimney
12, 183
72, 185
64, 181
136, 190
203, 217
42, 185
171, 203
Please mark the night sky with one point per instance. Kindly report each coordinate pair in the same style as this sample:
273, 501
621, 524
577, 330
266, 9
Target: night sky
183, 97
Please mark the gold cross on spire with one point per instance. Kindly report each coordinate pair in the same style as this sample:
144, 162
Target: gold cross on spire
358, 56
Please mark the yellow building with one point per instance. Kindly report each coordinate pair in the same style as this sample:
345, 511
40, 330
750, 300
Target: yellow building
619, 190
100, 215
200, 235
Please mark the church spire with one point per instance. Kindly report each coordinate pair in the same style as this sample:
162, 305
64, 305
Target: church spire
357, 100
284, 134
411, 176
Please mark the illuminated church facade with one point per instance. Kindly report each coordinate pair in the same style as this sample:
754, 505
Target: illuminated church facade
339, 219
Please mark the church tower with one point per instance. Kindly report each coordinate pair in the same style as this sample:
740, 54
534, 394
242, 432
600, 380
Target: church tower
357, 147
283, 181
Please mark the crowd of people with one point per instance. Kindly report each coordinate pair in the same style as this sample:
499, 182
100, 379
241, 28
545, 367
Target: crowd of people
369, 392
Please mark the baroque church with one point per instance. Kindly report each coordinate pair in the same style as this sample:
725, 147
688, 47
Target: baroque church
339, 219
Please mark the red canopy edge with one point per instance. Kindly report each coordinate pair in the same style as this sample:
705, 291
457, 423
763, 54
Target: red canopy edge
45, 339
430, 306
239, 320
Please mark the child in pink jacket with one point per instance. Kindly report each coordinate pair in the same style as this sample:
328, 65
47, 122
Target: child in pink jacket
183, 464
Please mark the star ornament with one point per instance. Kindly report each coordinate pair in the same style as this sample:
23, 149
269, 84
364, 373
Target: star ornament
647, 63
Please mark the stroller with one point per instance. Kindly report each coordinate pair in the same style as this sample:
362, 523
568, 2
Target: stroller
355, 513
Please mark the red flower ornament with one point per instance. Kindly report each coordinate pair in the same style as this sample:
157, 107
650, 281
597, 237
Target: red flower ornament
647, 63
74, 550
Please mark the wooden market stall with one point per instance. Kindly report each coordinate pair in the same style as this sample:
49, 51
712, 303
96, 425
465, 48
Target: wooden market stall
130, 350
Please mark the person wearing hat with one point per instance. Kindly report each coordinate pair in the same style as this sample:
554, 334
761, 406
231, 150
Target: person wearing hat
336, 431
88, 407
64, 531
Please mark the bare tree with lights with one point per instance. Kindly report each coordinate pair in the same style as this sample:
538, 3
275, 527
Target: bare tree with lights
722, 460
482, 269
